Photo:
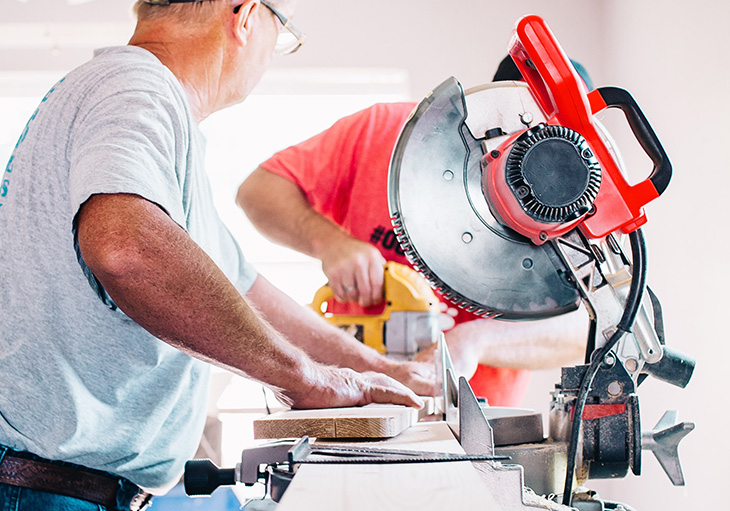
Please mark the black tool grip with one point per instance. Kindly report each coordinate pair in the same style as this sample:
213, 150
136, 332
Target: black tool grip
674, 367
202, 477
644, 133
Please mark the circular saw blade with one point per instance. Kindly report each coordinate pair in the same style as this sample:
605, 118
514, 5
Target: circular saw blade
442, 217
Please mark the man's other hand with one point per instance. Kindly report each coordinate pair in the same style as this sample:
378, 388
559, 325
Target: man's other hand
355, 271
416, 375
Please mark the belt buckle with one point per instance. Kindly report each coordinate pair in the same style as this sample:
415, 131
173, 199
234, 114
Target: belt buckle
140, 501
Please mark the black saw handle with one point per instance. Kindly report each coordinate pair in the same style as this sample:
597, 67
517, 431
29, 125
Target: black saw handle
615, 97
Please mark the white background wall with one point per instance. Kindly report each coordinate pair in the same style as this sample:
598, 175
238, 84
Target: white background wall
670, 54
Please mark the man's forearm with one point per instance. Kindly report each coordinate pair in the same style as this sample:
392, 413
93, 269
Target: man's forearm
324, 342
168, 285
281, 212
541, 344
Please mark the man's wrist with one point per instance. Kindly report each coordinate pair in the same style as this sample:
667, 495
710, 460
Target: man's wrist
371, 360
380, 363
323, 236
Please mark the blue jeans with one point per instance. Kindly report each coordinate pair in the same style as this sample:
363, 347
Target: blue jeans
15, 498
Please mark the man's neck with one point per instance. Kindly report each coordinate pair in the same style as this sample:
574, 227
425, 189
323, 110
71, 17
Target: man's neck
193, 59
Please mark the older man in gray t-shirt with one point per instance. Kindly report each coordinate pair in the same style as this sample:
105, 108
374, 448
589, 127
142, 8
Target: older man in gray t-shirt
107, 386
118, 277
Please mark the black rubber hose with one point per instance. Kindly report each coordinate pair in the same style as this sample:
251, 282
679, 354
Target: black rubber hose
631, 309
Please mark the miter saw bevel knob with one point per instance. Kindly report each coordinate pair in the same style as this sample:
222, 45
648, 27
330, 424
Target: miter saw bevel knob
664, 441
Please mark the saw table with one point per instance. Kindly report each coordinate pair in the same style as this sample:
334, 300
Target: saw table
397, 487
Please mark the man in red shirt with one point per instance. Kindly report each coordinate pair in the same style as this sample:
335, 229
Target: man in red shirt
327, 197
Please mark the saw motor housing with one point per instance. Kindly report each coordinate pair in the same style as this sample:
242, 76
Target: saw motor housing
561, 174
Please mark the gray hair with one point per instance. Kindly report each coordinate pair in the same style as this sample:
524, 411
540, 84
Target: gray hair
188, 12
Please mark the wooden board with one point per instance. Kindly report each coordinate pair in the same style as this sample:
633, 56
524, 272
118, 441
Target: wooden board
395, 487
372, 421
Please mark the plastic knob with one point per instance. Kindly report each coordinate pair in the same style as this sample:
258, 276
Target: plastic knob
202, 477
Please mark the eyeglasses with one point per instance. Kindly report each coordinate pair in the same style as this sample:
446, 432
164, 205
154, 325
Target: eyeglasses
290, 38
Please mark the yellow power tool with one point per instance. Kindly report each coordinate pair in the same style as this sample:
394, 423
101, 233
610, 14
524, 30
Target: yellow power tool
408, 323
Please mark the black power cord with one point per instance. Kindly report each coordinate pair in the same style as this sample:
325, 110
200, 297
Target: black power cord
631, 309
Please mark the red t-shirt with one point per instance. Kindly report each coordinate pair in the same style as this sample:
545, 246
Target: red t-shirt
343, 173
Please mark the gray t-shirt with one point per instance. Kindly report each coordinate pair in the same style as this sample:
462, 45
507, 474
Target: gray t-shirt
79, 380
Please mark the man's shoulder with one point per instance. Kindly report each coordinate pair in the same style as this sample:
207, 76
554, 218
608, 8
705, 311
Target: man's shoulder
122, 69
398, 111
386, 118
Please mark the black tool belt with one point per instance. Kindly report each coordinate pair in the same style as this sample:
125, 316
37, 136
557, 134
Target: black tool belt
97, 487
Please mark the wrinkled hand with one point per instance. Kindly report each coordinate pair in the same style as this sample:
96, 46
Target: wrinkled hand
419, 376
355, 272
341, 387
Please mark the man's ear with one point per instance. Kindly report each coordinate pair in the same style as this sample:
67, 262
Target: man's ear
243, 20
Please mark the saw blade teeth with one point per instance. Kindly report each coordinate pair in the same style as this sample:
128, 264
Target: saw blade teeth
451, 296
440, 287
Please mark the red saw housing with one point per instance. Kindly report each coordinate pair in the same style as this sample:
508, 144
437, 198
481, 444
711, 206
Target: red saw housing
561, 174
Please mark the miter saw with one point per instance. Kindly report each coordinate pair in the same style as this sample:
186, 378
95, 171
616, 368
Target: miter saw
510, 198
